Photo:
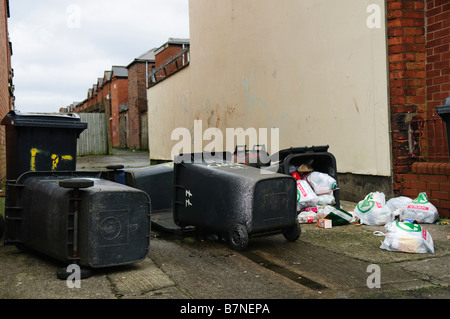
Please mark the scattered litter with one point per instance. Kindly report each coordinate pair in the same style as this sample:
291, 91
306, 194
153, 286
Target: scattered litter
315, 198
307, 216
324, 223
314, 192
337, 216
400, 215
296, 176
406, 237
374, 211
304, 169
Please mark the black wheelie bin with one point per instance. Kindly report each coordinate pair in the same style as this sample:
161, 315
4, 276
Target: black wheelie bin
233, 200
78, 218
157, 181
256, 157
41, 142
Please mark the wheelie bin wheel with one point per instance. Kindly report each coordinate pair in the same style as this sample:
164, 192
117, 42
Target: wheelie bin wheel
292, 233
238, 237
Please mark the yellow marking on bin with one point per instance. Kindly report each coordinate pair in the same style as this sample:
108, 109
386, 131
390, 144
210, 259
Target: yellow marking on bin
33, 151
54, 157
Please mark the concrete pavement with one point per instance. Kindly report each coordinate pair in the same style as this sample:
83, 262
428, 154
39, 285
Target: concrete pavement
322, 264
126, 157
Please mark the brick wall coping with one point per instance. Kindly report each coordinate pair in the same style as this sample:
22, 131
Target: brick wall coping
433, 168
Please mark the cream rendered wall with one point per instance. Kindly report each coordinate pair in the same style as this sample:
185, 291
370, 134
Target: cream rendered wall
312, 68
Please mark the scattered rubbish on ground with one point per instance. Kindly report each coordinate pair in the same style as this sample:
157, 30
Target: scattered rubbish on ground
338, 216
324, 223
375, 211
400, 215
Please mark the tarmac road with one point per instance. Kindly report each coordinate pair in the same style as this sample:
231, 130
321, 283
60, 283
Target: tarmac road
322, 264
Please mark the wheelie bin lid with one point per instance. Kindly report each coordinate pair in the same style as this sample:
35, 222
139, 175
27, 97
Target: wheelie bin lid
282, 154
50, 120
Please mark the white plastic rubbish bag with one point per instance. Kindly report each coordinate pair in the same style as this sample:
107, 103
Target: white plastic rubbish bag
400, 202
406, 237
322, 183
420, 210
326, 200
372, 210
305, 195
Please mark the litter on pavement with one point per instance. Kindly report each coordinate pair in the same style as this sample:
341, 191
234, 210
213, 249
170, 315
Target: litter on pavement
400, 215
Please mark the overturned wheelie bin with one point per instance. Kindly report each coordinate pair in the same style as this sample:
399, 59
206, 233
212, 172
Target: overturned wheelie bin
156, 181
318, 158
78, 218
233, 200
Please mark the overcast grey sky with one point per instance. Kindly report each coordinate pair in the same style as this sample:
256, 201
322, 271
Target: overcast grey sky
61, 47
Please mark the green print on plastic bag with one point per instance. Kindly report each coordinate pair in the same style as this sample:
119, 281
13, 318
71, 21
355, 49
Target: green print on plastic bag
421, 199
366, 206
409, 227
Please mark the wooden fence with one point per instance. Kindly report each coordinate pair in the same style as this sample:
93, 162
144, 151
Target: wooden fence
93, 140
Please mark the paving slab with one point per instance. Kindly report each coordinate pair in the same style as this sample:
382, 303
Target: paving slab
138, 279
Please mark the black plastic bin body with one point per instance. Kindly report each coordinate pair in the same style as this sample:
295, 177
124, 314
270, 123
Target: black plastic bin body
41, 142
156, 181
257, 157
110, 227
317, 157
234, 200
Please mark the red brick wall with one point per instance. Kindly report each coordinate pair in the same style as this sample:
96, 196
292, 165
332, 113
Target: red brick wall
5, 76
434, 180
167, 55
407, 55
419, 80
438, 73
137, 101
119, 96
